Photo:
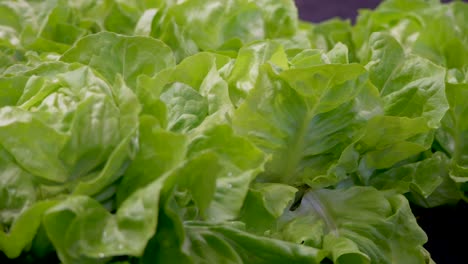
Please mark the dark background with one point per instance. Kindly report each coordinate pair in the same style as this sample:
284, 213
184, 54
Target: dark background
319, 10
446, 226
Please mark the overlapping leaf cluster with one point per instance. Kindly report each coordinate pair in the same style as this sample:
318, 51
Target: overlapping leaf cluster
216, 131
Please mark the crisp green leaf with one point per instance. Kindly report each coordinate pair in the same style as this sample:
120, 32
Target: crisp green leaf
202, 242
356, 225
452, 136
246, 69
136, 55
24, 229
305, 118
241, 163
411, 86
83, 231
227, 244
264, 203
413, 94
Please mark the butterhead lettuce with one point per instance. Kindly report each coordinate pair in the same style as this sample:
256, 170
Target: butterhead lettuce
227, 131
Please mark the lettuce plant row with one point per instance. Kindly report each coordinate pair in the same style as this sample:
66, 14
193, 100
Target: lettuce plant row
228, 131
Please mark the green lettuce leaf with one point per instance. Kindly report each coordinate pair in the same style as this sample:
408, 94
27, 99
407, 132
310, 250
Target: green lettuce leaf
264, 204
452, 136
413, 94
355, 225
183, 27
245, 71
185, 99
326, 35
71, 110
137, 55
305, 118
201, 242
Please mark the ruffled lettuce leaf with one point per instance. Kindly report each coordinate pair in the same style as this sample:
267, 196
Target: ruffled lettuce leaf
413, 93
71, 109
136, 55
201, 242
305, 117
355, 225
